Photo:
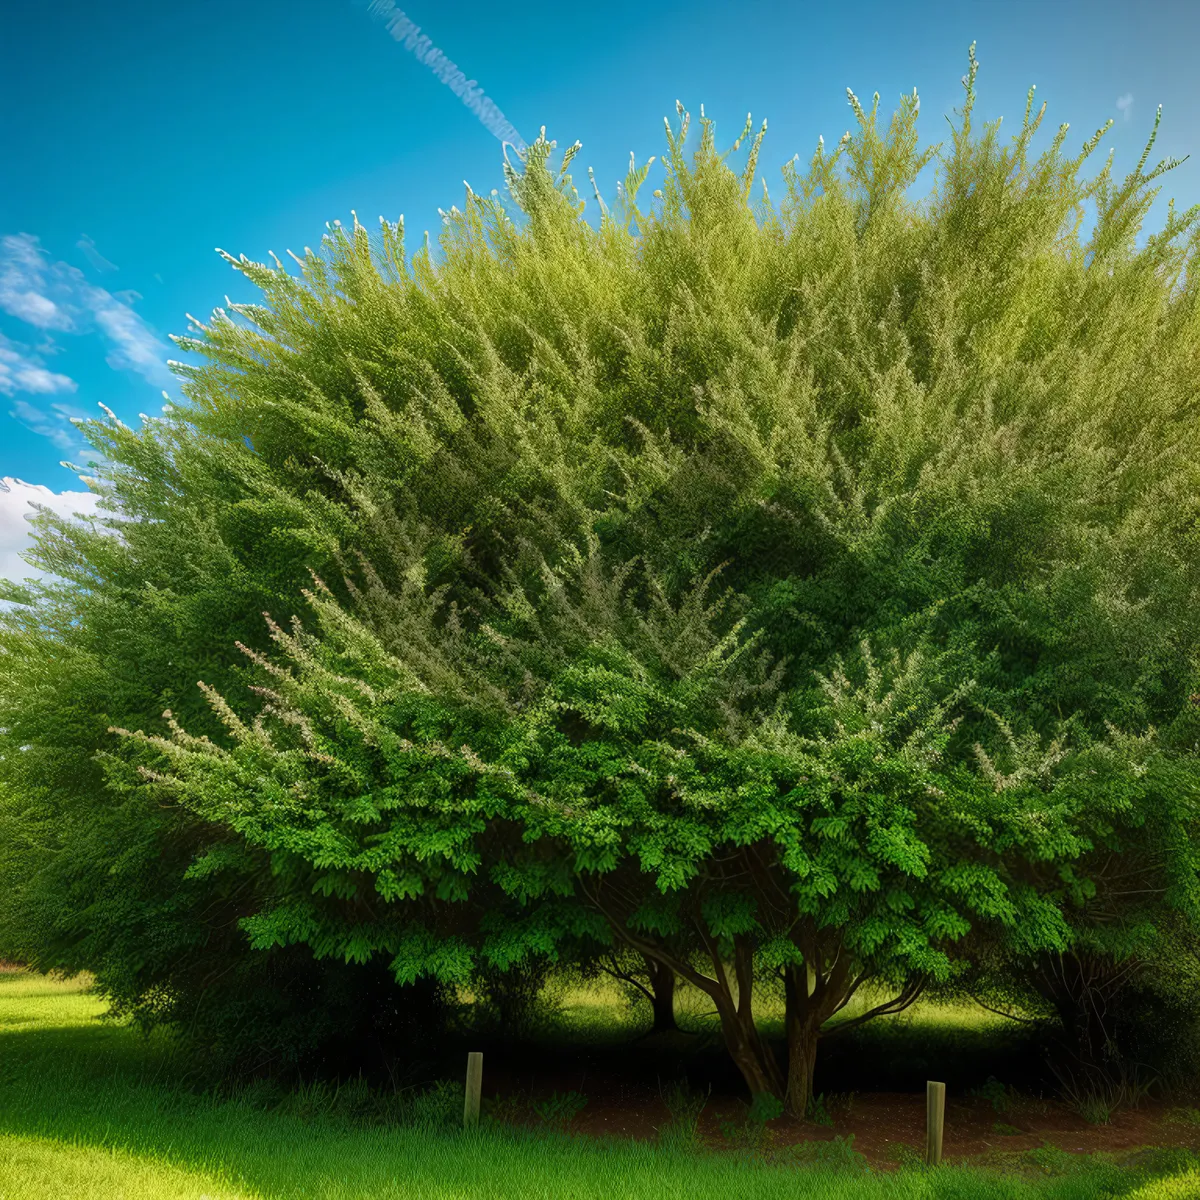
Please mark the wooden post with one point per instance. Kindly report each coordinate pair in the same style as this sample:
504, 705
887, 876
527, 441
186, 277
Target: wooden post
474, 1085
935, 1119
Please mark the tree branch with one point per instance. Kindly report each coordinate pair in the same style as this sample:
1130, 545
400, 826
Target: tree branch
897, 1004
999, 1013
616, 973
685, 970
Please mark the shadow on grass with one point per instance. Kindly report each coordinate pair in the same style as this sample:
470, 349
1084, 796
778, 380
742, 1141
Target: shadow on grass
68, 1093
886, 1055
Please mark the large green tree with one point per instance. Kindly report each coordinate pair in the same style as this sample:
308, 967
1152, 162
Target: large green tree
775, 593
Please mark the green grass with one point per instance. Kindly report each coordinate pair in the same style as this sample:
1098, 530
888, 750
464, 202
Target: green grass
94, 1109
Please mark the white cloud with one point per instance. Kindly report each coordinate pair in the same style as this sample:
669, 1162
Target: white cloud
15, 530
1125, 103
22, 370
56, 295
33, 309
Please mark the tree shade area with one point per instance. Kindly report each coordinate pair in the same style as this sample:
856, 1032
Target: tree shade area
794, 600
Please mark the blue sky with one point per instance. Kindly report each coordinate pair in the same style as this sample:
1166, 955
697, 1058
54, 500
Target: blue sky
145, 135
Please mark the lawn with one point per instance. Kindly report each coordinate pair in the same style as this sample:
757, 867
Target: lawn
92, 1108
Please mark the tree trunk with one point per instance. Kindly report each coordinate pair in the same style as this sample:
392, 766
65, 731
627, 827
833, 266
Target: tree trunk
803, 1027
750, 1053
802, 1061
746, 1044
662, 985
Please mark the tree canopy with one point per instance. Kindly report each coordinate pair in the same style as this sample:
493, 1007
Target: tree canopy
781, 593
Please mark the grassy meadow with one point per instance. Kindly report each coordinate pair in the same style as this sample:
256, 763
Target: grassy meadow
91, 1108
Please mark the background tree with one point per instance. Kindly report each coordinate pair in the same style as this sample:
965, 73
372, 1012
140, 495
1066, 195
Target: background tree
642, 979
1122, 992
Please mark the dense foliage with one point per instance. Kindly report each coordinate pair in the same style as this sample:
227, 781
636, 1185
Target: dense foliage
781, 595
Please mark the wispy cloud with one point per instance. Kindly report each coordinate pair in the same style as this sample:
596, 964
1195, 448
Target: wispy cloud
16, 498
1125, 104
88, 246
54, 425
56, 295
24, 284
136, 347
22, 370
